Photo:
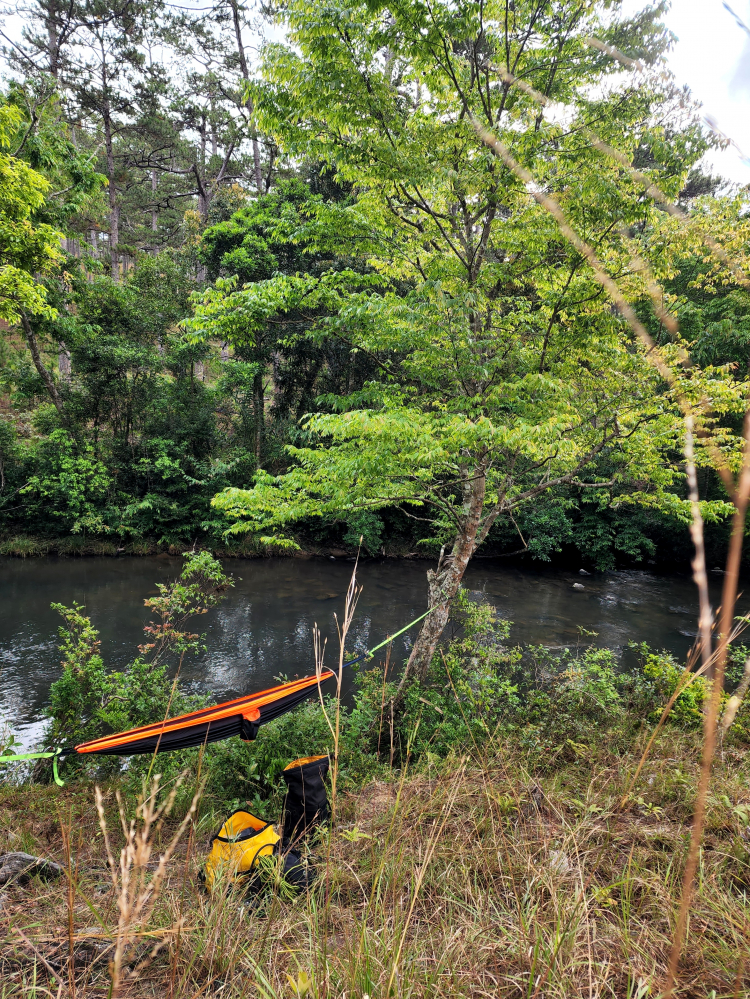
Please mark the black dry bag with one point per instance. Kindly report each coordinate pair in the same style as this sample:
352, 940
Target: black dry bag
306, 803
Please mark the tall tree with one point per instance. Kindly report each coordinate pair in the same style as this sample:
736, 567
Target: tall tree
253, 244
106, 67
48, 29
503, 370
28, 249
237, 24
212, 107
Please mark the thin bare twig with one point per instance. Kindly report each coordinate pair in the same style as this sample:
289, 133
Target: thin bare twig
50, 969
711, 717
705, 616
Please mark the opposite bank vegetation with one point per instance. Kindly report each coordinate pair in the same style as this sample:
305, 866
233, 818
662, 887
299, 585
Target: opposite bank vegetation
76, 545
379, 283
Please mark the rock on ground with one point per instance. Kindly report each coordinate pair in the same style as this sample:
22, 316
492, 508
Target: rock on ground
20, 867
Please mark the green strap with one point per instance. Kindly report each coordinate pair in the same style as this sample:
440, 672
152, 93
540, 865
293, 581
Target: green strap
38, 756
406, 628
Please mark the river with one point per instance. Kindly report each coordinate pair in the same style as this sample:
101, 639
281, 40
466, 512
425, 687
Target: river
264, 627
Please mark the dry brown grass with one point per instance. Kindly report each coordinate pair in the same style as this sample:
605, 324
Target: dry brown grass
474, 878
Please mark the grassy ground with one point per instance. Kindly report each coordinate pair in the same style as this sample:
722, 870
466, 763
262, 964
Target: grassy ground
472, 877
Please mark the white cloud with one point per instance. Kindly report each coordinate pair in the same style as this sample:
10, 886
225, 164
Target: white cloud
712, 56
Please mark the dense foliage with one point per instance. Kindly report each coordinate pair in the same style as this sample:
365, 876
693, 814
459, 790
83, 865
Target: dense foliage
302, 285
404, 278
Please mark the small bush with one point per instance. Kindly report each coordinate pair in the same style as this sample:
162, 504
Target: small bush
21, 546
576, 699
87, 701
658, 678
78, 697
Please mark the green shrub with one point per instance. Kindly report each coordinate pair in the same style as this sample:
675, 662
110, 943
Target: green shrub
470, 691
660, 674
575, 701
368, 526
88, 702
71, 484
78, 697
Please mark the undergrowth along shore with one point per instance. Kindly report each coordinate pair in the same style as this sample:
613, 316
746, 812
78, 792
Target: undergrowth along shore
497, 837
77, 545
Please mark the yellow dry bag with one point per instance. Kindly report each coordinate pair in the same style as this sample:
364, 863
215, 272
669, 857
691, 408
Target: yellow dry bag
237, 846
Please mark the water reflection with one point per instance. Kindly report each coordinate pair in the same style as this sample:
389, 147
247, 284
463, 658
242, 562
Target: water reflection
264, 628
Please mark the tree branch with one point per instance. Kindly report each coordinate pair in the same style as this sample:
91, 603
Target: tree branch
44, 374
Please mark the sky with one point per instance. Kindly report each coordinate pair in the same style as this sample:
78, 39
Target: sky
712, 56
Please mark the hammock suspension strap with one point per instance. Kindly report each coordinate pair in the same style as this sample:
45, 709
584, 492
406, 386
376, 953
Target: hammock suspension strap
54, 756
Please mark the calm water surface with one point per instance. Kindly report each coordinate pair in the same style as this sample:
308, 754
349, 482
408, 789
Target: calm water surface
264, 627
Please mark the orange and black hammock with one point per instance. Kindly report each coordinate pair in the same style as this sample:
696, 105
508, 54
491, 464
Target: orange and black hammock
241, 716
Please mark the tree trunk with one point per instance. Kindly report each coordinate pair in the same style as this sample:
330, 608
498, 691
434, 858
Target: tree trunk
200, 175
256, 165
259, 413
202, 205
244, 69
63, 363
54, 55
154, 216
238, 36
444, 582
114, 209
53, 41
39, 364
275, 368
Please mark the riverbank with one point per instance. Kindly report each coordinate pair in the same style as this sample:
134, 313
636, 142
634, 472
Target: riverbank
516, 828
471, 876
75, 545
265, 625
395, 545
